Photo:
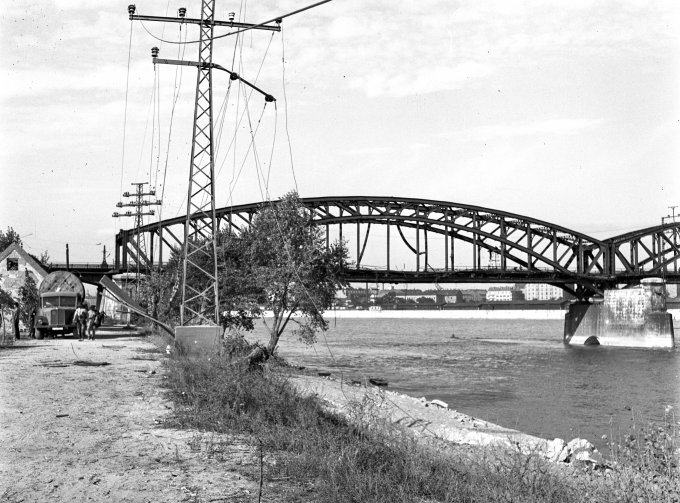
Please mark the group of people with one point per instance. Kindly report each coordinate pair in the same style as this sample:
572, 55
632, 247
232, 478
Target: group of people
87, 321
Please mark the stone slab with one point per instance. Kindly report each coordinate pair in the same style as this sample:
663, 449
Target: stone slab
198, 340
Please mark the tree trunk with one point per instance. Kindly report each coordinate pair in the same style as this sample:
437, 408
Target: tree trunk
257, 357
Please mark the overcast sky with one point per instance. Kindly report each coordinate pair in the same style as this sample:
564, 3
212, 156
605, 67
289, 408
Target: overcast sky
562, 111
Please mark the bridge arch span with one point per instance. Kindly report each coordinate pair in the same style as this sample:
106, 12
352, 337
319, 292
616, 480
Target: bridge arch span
439, 241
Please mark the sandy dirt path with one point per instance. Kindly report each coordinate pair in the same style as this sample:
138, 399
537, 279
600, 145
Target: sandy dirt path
96, 433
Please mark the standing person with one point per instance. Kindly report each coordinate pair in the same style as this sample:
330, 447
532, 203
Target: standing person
15, 321
99, 318
31, 323
91, 318
78, 319
83, 322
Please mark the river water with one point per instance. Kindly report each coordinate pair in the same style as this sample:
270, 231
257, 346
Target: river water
516, 373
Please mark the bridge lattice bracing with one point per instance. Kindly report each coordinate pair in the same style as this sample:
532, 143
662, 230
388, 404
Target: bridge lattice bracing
405, 240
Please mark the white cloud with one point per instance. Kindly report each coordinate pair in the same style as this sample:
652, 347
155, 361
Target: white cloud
368, 151
547, 127
398, 50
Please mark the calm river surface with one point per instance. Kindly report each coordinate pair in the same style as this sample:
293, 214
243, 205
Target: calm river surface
516, 373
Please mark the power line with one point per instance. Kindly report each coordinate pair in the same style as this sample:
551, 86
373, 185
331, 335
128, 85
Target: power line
245, 27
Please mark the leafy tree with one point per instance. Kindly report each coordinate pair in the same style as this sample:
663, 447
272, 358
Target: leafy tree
44, 258
388, 299
157, 294
159, 291
240, 295
280, 265
290, 268
8, 238
29, 299
5, 298
6, 303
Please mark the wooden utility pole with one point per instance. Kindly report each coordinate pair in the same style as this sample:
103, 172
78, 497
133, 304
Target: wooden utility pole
139, 204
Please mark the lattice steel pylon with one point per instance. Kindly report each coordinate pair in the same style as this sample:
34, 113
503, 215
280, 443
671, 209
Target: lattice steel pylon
200, 295
201, 302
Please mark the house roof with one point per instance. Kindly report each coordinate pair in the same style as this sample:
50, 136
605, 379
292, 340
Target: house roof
23, 254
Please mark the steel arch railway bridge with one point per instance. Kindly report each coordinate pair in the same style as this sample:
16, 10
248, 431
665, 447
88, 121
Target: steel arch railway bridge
407, 240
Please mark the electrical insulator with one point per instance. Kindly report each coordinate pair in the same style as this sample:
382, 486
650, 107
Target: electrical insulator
119, 205
182, 11
126, 194
232, 15
154, 52
131, 10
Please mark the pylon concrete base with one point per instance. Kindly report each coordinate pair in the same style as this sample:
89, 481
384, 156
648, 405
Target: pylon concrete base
198, 340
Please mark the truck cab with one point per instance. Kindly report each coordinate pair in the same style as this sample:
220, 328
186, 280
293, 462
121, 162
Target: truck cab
55, 313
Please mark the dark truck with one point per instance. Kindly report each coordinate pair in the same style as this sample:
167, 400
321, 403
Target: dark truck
60, 293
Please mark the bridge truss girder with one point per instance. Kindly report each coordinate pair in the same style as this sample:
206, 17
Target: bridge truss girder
525, 250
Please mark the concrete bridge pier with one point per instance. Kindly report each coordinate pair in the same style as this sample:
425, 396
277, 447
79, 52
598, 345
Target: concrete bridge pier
631, 317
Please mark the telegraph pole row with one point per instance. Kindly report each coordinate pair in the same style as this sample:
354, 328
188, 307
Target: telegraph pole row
139, 204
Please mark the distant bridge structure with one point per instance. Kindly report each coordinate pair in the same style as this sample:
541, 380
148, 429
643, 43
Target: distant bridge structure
407, 240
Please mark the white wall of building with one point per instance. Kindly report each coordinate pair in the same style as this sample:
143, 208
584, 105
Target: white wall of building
542, 291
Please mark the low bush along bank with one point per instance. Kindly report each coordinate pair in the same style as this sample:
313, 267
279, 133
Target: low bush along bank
331, 460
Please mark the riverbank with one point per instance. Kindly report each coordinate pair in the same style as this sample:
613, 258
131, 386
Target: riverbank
118, 419
434, 420
355, 442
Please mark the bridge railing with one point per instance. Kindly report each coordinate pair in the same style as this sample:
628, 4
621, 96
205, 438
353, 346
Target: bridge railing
456, 269
80, 265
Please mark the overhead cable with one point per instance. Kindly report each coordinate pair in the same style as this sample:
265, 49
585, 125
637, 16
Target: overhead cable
277, 19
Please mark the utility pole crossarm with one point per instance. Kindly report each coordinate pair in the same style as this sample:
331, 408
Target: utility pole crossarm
232, 75
188, 20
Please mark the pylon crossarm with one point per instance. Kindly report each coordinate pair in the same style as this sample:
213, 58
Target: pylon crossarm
232, 75
190, 20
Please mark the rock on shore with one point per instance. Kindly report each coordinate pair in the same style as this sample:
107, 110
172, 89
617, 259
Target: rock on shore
369, 404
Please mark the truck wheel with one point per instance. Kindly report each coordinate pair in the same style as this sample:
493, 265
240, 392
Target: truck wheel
39, 333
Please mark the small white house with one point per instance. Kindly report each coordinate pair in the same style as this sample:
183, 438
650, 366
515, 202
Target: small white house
14, 263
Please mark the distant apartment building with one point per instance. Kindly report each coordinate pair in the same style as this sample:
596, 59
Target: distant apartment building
473, 295
449, 296
542, 291
359, 296
504, 294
